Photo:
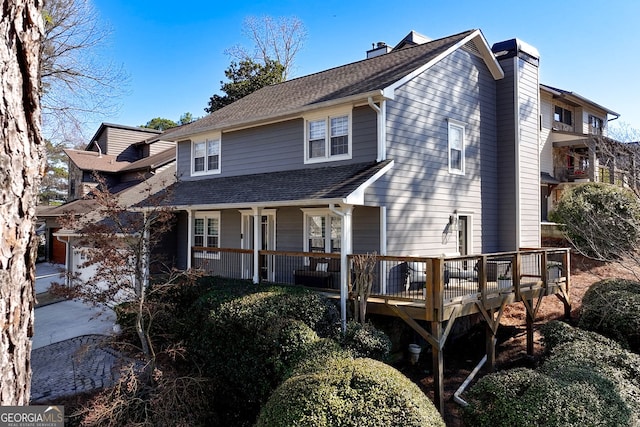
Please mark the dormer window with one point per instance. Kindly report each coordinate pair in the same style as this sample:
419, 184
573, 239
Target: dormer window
205, 157
328, 137
562, 115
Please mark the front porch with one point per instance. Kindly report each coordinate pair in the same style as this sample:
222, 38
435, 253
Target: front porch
428, 293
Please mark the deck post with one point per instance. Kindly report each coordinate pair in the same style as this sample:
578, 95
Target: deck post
567, 275
490, 346
529, 329
438, 367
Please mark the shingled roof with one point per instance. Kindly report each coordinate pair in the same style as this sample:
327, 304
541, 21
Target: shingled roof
94, 161
304, 185
296, 95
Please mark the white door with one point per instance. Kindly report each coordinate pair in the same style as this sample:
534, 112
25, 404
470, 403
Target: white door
268, 237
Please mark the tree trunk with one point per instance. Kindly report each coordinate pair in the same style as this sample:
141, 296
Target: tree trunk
21, 167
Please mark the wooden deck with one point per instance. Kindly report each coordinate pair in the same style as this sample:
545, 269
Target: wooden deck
432, 310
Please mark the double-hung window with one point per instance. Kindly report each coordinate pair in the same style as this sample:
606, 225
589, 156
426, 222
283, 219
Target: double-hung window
322, 231
206, 157
456, 147
206, 229
328, 137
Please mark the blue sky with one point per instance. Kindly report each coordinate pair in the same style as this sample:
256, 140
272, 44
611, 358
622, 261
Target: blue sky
174, 52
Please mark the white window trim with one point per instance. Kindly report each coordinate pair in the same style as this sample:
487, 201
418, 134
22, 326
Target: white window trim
307, 212
451, 123
193, 152
327, 116
206, 215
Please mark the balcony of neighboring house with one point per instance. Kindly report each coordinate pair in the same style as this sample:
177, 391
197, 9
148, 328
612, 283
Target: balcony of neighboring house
594, 158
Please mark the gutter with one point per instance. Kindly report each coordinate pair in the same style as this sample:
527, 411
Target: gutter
274, 118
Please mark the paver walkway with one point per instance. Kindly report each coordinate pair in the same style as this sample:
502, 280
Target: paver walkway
73, 366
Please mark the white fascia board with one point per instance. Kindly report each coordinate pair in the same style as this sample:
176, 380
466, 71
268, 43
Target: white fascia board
482, 45
357, 196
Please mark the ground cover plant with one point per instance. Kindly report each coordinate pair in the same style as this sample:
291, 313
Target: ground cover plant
587, 379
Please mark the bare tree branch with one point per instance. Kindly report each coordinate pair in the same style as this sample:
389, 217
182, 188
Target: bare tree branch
78, 83
279, 39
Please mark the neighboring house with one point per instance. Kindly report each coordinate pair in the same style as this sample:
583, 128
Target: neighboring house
575, 148
427, 148
126, 157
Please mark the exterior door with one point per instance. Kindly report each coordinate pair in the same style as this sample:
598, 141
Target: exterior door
463, 235
268, 237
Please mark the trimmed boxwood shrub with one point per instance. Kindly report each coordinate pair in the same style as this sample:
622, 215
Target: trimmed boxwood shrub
249, 344
349, 392
586, 380
612, 308
365, 341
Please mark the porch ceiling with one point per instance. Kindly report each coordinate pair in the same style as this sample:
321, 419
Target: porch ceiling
336, 184
568, 139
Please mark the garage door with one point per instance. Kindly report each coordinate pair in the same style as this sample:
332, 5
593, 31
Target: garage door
58, 249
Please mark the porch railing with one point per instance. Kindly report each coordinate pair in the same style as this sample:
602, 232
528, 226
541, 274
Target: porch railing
438, 280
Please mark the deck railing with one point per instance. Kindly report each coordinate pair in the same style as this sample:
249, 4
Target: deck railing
436, 280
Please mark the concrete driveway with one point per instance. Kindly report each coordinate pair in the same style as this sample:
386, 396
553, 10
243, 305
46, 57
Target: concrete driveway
66, 319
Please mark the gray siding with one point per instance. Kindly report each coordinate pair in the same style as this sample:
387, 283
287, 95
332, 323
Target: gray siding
419, 192
529, 155
289, 232
182, 250
120, 142
366, 230
507, 189
280, 146
230, 228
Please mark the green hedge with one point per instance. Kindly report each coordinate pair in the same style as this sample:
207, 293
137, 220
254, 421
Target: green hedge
249, 344
587, 379
349, 392
612, 308
365, 341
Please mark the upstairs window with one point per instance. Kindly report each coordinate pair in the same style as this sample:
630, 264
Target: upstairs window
327, 138
206, 157
456, 147
562, 115
596, 124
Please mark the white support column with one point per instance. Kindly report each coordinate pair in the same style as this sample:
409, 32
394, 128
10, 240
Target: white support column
383, 247
257, 243
345, 212
189, 238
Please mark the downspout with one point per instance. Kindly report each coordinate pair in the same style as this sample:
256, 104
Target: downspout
346, 243
382, 135
456, 396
